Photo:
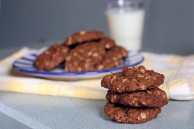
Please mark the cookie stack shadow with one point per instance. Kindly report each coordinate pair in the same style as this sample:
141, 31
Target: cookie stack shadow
133, 95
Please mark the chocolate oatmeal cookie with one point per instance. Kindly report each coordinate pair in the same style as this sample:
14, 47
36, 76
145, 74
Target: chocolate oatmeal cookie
85, 57
130, 115
108, 63
108, 43
52, 57
112, 58
83, 36
148, 98
132, 79
116, 53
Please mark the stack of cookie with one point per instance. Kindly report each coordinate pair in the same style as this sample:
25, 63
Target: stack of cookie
81, 52
133, 95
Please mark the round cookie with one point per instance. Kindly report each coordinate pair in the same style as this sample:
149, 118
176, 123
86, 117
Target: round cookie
132, 79
108, 63
117, 53
142, 74
112, 58
85, 57
148, 98
83, 36
107, 42
130, 115
52, 57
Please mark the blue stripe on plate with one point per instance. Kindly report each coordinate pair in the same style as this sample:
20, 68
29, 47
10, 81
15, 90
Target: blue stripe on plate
34, 55
28, 59
24, 63
18, 66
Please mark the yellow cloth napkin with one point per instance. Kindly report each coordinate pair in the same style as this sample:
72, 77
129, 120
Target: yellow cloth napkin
179, 82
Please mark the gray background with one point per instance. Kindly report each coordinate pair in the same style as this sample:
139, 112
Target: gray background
169, 24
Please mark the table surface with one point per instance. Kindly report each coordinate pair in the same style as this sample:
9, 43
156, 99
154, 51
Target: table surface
25, 111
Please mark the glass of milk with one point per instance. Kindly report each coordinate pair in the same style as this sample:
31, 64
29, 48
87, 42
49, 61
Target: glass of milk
125, 20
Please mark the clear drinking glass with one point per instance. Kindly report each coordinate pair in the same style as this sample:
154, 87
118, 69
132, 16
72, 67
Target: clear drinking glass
125, 20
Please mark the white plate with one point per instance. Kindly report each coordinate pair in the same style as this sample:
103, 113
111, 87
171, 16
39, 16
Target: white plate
26, 65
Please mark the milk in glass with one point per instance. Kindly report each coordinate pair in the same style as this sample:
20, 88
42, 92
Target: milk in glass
125, 26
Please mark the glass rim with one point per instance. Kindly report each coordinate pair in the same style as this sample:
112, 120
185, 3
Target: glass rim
123, 3
109, 1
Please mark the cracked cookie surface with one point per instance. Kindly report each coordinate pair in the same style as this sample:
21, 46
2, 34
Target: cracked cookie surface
85, 57
132, 79
107, 42
52, 57
130, 115
83, 36
148, 98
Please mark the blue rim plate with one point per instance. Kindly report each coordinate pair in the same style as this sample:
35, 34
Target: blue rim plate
25, 65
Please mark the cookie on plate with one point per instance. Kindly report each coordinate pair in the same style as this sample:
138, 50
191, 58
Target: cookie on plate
108, 63
85, 57
112, 58
129, 114
52, 57
83, 36
107, 42
116, 53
